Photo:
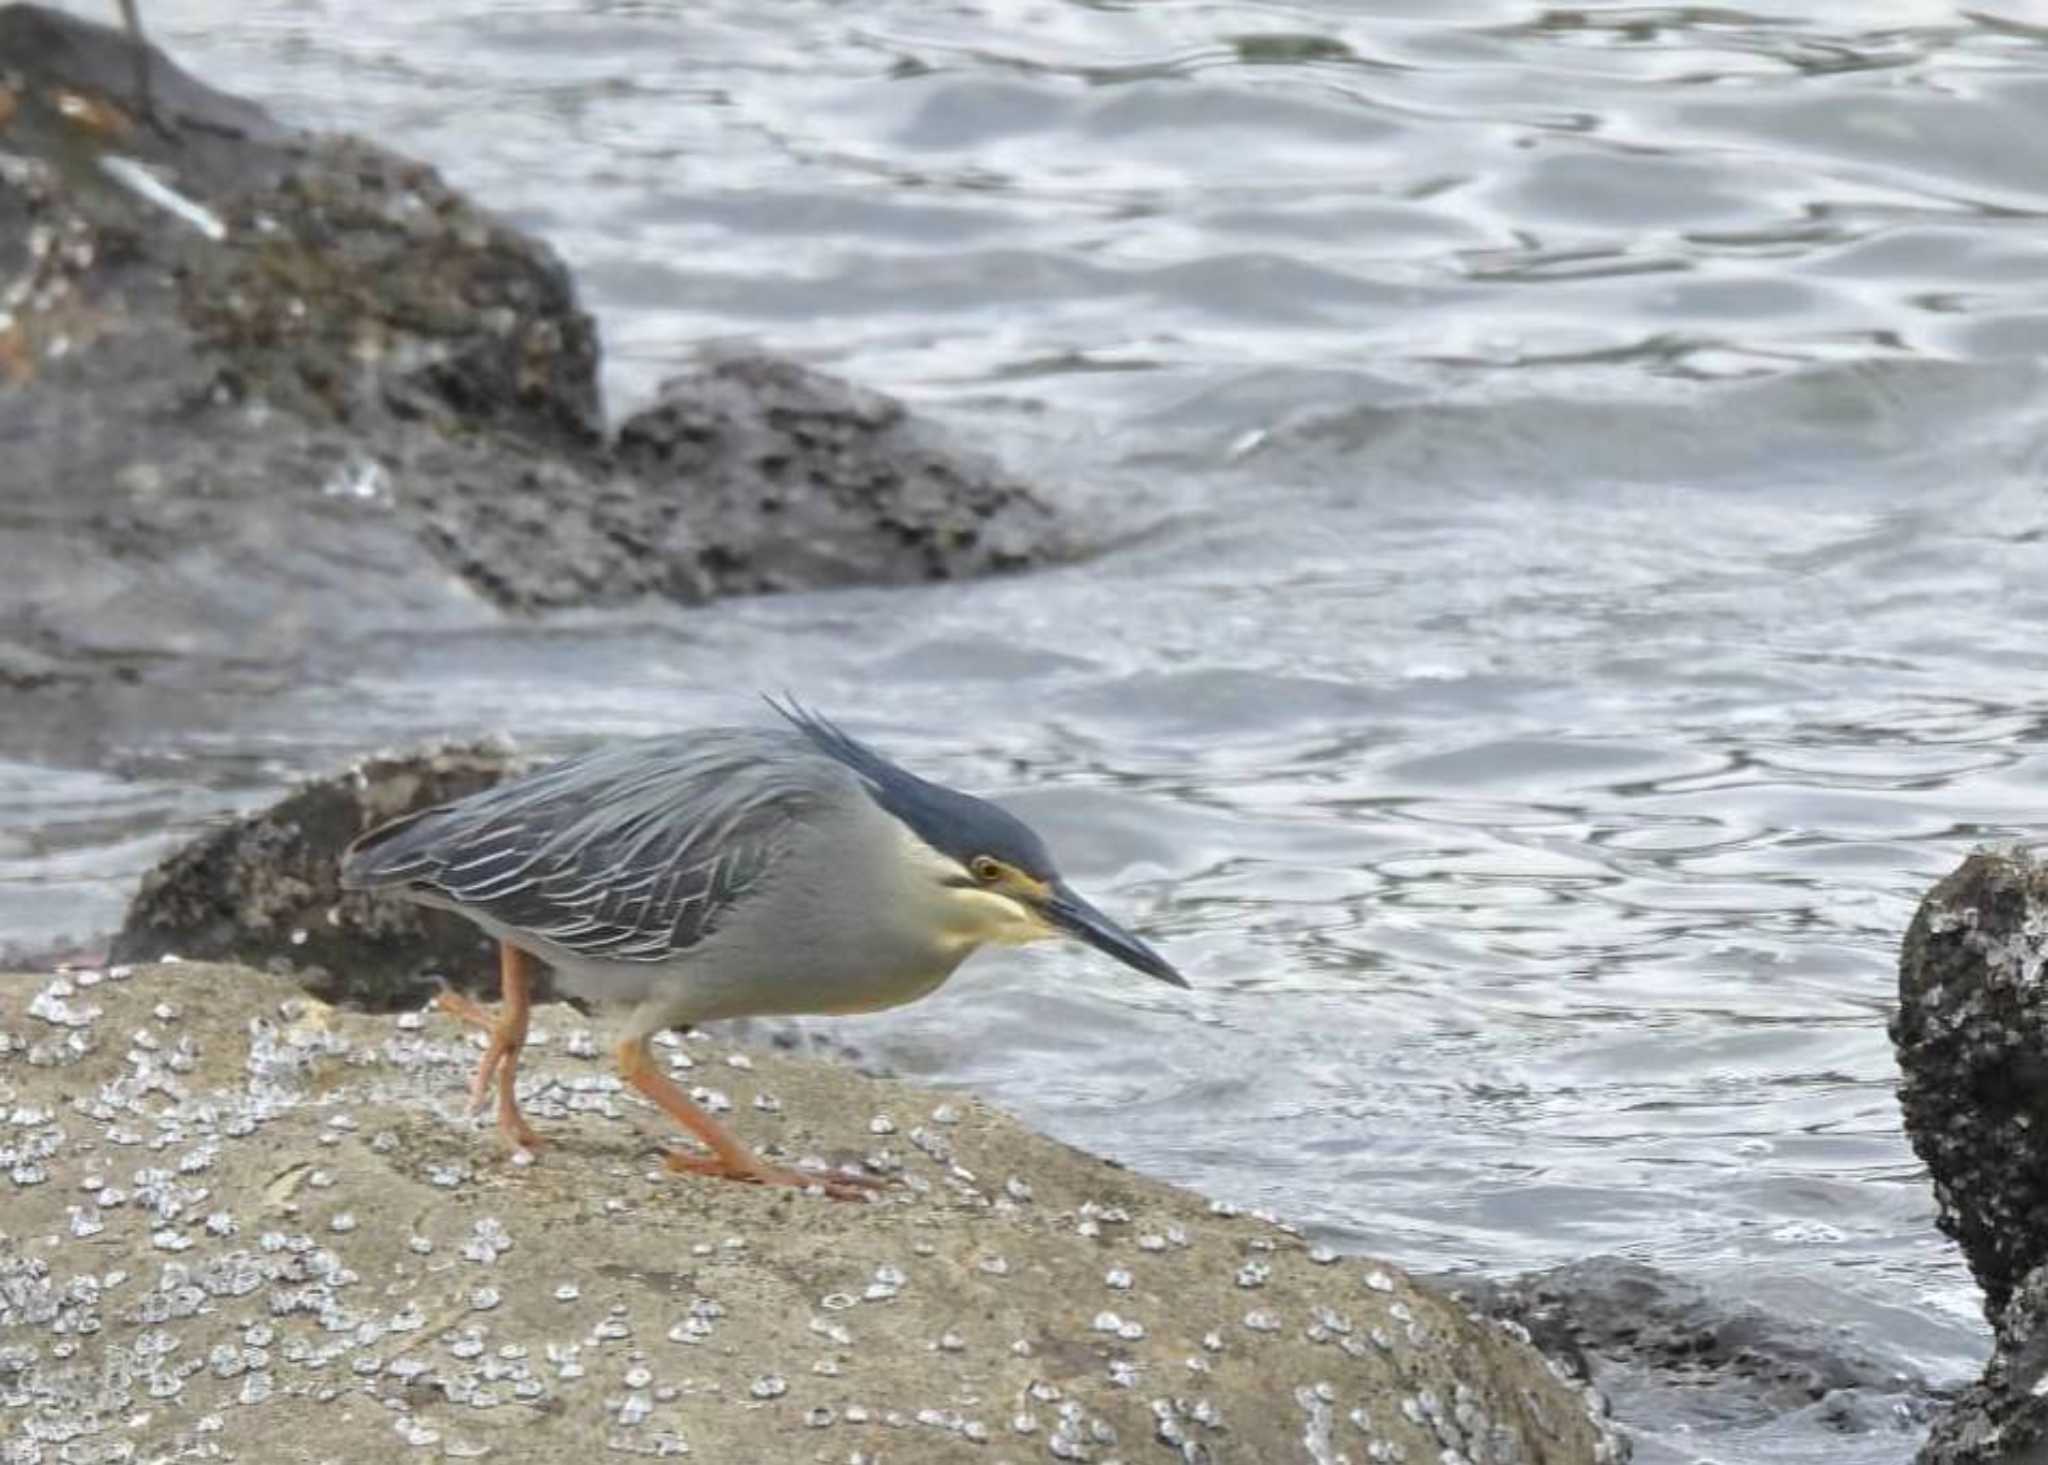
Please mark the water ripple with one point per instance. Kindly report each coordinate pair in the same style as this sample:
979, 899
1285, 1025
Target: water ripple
1579, 472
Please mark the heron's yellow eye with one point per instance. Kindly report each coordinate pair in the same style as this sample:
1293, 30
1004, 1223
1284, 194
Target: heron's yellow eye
986, 870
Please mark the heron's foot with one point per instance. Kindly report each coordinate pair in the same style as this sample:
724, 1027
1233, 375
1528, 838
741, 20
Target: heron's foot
518, 1134
503, 1040
465, 1008
753, 1170
498, 1069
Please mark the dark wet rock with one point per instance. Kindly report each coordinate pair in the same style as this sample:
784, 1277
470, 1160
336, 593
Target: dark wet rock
789, 478
2002, 1419
1661, 1346
1971, 1033
357, 287
320, 1244
230, 430
320, 277
297, 392
263, 890
546, 535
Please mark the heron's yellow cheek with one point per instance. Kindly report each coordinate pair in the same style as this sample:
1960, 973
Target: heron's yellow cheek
986, 918
1028, 924
1024, 932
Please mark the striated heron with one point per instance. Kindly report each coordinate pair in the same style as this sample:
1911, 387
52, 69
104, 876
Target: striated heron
732, 872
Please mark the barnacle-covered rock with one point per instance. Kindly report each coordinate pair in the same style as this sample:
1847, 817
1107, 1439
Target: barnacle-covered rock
1971, 1034
236, 1216
264, 889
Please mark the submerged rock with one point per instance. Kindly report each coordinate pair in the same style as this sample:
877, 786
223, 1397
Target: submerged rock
1663, 1347
1971, 1034
266, 394
235, 1216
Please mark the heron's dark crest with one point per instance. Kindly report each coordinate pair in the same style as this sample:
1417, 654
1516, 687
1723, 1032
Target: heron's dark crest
957, 825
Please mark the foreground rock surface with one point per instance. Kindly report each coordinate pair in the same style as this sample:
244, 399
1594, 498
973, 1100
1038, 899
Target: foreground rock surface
1971, 1034
312, 394
239, 1221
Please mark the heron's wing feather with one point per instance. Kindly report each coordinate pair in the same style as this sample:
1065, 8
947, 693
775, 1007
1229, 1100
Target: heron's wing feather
630, 853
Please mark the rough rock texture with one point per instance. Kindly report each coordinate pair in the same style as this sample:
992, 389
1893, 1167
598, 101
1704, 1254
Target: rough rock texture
1646, 1337
241, 1223
1971, 1034
263, 890
2002, 1419
355, 286
325, 397
789, 478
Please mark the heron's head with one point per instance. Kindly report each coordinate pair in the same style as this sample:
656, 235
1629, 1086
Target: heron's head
994, 876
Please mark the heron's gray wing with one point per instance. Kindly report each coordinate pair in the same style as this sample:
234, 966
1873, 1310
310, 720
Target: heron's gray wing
630, 853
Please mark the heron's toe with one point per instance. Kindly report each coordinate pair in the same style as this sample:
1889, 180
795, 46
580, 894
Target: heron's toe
838, 1185
462, 1006
519, 1135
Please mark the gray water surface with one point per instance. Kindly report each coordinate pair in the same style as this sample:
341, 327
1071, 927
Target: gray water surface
1583, 481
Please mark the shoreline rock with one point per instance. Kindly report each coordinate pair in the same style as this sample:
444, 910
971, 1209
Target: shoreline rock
234, 1213
269, 393
1971, 1034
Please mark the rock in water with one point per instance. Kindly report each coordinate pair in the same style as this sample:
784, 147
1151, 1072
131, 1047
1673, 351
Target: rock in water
787, 479
1677, 1350
264, 889
2002, 1419
266, 395
1972, 1039
1971, 1034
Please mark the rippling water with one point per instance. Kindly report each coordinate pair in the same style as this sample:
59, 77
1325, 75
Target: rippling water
1582, 480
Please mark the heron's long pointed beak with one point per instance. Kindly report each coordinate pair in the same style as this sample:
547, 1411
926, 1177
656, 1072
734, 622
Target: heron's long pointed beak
1083, 921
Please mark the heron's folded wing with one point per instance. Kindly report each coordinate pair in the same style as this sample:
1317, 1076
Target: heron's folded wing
631, 853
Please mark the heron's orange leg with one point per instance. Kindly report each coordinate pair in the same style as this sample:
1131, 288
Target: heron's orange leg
729, 1158
507, 1034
